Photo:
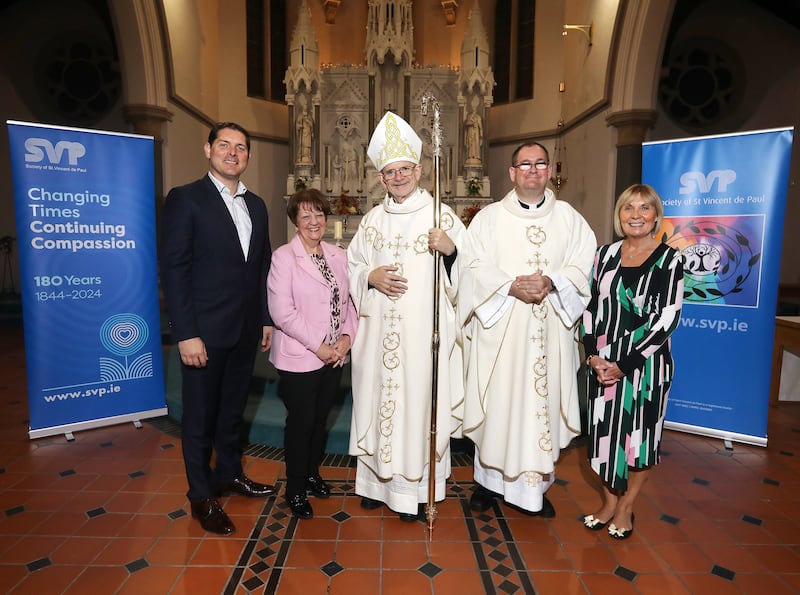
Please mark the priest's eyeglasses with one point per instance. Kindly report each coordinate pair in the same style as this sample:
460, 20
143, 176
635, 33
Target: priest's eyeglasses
401, 171
527, 165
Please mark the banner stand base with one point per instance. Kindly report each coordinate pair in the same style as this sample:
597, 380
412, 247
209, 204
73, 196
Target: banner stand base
68, 429
727, 437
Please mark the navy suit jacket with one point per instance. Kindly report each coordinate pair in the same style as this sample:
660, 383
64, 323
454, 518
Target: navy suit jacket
211, 291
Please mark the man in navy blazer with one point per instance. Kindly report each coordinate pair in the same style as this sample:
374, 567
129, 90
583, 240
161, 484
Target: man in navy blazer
214, 263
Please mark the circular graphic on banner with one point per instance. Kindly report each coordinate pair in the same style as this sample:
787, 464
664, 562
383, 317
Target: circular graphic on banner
124, 334
721, 257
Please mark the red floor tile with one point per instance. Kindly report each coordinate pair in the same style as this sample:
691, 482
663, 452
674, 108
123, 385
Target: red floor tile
74, 520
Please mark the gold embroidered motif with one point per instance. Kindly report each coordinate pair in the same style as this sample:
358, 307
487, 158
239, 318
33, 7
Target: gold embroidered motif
396, 146
539, 310
374, 237
446, 221
399, 246
393, 318
391, 360
421, 244
536, 235
532, 479
543, 412
389, 387
538, 337
386, 453
537, 263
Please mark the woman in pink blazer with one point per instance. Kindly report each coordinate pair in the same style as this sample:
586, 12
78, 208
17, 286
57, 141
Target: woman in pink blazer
315, 325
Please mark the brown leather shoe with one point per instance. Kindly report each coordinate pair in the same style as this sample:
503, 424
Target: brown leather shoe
244, 486
212, 518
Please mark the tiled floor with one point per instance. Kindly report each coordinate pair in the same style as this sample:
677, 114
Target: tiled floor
107, 513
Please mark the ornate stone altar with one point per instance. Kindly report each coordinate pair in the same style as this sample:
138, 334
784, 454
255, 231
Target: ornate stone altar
334, 108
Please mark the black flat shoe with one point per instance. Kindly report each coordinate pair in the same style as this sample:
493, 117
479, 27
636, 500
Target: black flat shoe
318, 487
592, 523
370, 504
301, 507
617, 533
481, 499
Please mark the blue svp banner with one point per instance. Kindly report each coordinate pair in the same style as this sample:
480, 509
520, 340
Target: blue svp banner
86, 224
724, 201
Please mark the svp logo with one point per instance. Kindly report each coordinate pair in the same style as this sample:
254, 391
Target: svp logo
697, 181
37, 149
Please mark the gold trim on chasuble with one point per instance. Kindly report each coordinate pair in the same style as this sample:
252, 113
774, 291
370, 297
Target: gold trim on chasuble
537, 236
392, 339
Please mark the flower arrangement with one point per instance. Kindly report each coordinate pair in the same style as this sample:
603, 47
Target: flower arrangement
344, 205
474, 187
469, 212
300, 183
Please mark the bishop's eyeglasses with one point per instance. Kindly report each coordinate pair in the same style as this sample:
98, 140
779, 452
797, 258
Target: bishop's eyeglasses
400, 171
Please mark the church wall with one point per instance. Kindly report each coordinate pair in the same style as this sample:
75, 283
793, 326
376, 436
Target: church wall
192, 29
770, 94
435, 42
224, 50
543, 111
343, 41
587, 67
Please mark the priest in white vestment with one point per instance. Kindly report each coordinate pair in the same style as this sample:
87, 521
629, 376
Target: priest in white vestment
521, 305
391, 282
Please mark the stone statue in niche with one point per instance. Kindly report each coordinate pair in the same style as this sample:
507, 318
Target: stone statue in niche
305, 132
473, 137
338, 170
349, 159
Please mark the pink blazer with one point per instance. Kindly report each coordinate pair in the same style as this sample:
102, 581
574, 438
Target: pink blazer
299, 303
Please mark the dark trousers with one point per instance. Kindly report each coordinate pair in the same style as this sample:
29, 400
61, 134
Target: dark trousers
308, 397
214, 399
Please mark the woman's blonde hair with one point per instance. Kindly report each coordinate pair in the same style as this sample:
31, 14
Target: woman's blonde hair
649, 196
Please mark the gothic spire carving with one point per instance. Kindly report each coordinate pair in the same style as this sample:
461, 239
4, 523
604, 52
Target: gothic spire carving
303, 55
390, 30
475, 68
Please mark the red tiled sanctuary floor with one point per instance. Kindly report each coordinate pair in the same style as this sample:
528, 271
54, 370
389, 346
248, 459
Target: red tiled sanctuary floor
107, 513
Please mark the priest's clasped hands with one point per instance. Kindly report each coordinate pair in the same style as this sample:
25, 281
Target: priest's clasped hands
531, 289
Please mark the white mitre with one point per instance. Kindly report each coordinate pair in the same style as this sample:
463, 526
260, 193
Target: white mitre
393, 140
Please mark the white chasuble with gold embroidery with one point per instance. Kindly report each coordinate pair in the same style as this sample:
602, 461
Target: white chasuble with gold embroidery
521, 402
392, 361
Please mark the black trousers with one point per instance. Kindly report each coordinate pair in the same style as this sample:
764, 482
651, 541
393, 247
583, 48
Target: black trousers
213, 400
308, 397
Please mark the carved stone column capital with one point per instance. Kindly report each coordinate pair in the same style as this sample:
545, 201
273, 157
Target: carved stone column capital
631, 125
147, 119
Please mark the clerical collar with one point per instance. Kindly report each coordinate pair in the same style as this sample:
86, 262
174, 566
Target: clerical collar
525, 205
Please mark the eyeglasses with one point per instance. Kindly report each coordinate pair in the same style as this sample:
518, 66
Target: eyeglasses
402, 171
527, 165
